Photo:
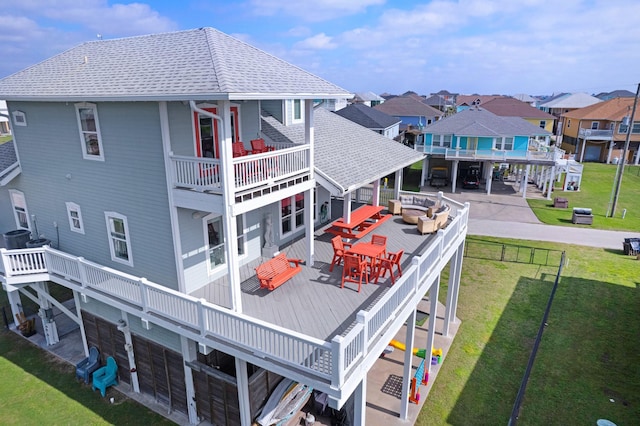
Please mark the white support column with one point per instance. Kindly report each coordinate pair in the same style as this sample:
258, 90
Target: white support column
544, 179
49, 327
611, 143
242, 379
456, 283
408, 365
584, 144
489, 178
360, 403
433, 314
552, 179
448, 311
398, 184
308, 220
189, 354
525, 181
78, 303
16, 304
229, 220
425, 171
346, 208
454, 176
123, 326
375, 199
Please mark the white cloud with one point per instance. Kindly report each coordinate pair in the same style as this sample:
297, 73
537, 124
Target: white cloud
317, 42
317, 10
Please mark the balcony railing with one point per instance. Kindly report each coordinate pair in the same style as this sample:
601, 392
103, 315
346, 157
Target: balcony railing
596, 134
250, 171
330, 362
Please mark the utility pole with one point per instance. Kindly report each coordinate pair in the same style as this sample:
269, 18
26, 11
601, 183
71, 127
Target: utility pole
620, 170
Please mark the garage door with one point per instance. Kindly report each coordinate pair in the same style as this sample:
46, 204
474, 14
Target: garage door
592, 153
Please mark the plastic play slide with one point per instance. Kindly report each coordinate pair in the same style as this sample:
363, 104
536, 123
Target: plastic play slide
420, 353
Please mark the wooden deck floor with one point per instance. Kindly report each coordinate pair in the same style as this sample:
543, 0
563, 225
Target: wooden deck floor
312, 302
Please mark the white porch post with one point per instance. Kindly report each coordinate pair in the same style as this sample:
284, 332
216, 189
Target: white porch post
189, 354
15, 303
552, 178
375, 198
398, 184
433, 314
543, 176
448, 312
611, 143
346, 208
128, 346
489, 176
456, 282
83, 334
454, 176
408, 365
584, 144
229, 220
308, 220
360, 403
425, 171
46, 314
242, 379
525, 181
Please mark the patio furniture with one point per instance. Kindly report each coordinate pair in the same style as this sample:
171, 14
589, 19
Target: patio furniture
339, 249
418, 202
354, 271
427, 225
395, 207
387, 265
370, 253
239, 150
363, 220
275, 272
582, 216
258, 146
105, 376
411, 215
26, 326
87, 366
379, 240
631, 246
560, 203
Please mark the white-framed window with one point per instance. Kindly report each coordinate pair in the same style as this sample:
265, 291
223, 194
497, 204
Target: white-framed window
20, 212
19, 118
75, 217
297, 110
446, 141
89, 128
635, 129
505, 144
595, 125
291, 214
215, 238
119, 239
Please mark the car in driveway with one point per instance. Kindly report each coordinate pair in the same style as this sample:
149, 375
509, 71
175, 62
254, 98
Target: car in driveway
471, 181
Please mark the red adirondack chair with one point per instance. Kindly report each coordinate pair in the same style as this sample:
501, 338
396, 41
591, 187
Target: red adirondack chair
239, 150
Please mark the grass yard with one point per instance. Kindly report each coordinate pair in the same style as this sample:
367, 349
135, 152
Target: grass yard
587, 363
595, 192
4, 139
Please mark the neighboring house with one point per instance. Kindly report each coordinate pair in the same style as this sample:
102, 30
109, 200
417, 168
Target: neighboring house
4, 119
605, 96
477, 137
560, 104
372, 119
510, 107
132, 164
464, 102
369, 99
412, 112
528, 99
333, 104
597, 132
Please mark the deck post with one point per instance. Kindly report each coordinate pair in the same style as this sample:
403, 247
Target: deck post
346, 208
83, 333
456, 283
408, 365
14, 302
433, 314
454, 176
123, 326
189, 354
308, 220
360, 403
453, 273
398, 184
375, 197
48, 321
244, 404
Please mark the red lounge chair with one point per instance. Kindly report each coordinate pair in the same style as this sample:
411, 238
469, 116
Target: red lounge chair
258, 146
339, 248
354, 271
387, 264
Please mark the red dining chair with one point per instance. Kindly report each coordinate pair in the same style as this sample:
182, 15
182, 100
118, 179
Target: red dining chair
387, 265
239, 150
258, 146
339, 249
379, 240
354, 271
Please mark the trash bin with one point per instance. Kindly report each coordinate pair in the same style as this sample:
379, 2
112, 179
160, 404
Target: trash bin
39, 242
16, 239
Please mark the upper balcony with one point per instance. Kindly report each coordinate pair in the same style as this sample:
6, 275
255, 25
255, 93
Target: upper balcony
309, 329
541, 155
252, 175
601, 135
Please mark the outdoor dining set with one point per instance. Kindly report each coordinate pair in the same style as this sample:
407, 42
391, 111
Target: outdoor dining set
365, 261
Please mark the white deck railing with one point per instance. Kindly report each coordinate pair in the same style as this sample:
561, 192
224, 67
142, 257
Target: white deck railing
204, 174
332, 361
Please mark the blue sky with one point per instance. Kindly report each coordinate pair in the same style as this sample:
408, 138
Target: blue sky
464, 46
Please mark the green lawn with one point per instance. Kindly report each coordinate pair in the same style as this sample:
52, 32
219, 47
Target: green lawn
595, 193
4, 139
589, 353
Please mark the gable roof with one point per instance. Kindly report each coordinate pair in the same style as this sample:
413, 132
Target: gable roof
367, 97
407, 106
200, 64
478, 99
368, 117
572, 100
478, 122
346, 155
510, 107
524, 98
611, 110
615, 94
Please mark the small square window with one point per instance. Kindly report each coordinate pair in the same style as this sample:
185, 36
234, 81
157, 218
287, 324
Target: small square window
75, 218
19, 118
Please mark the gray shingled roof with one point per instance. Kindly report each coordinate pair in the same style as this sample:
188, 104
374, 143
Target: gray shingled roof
407, 106
480, 122
7, 157
368, 117
195, 64
346, 153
